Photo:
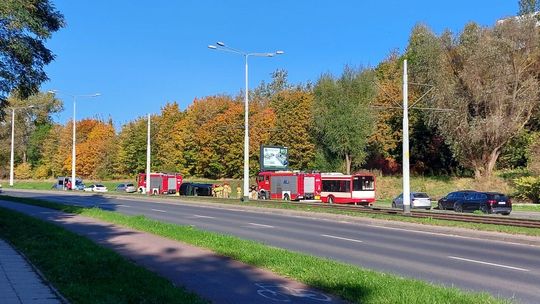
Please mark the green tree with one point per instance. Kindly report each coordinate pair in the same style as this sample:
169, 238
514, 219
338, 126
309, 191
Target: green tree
25, 25
487, 78
528, 7
344, 119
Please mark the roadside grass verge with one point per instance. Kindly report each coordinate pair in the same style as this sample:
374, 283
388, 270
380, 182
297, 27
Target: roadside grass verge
82, 271
348, 281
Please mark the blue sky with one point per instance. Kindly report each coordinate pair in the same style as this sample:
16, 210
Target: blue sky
141, 54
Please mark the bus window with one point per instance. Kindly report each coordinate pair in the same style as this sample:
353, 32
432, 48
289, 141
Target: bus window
363, 183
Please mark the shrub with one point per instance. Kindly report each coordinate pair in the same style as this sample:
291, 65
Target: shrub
43, 172
23, 171
528, 187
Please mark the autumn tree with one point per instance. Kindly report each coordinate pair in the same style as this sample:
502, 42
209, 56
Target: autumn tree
131, 148
487, 77
528, 7
165, 147
344, 119
24, 27
293, 126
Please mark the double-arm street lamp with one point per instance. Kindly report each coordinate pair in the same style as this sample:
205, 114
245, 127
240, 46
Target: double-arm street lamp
13, 141
74, 155
220, 46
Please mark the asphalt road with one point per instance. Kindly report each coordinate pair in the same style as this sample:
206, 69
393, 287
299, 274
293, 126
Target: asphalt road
508, 270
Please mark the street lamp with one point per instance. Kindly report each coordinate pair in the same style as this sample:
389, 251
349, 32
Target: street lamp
220, 46
13, 141
73, 155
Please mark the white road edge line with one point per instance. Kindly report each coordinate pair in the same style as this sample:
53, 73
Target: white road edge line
158, 210
203, 216
487, 263
261, 225
341, 238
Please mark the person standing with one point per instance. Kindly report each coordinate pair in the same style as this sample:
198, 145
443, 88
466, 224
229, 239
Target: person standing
238, 192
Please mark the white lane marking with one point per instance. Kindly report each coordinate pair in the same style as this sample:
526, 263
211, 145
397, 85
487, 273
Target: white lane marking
341, 238
487, 263
261, 225
125, 206
158, 210
203, 216
452, 235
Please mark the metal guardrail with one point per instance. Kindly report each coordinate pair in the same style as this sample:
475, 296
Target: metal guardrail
471, 218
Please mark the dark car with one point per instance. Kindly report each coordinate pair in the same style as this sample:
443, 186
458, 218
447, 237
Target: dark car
451, 198
487, 202
196, 189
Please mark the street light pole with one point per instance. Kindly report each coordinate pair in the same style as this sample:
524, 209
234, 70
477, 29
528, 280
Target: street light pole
222, 47
12, 161
406, 172
148, 154
12, 147
73, 150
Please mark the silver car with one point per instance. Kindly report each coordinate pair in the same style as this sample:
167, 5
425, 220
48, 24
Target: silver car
419, 200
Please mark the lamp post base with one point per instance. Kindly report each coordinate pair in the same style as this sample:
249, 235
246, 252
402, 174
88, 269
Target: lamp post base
407, 209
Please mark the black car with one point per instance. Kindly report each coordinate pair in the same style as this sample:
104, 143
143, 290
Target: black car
487, 202
451, 198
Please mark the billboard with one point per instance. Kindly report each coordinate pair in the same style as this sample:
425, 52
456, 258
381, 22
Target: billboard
274, 158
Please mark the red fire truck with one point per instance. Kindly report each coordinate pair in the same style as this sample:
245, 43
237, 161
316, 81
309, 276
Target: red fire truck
289, 185
340, 188
160, 183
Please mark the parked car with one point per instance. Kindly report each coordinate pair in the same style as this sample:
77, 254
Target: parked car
196, 189
96, 188
419, 200
129, 188
63, 181
451, 198
487, 202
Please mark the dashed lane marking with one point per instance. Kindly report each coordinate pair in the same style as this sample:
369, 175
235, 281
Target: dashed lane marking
203, 216
261, 225
341, 238
487, 263
159, 210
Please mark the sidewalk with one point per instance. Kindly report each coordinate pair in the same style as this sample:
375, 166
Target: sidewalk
19, 283
213, 277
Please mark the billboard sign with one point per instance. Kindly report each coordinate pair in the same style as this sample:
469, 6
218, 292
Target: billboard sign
274, 158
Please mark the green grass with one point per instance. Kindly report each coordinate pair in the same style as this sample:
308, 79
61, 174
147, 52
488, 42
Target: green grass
348, 281
526, 207
82, 271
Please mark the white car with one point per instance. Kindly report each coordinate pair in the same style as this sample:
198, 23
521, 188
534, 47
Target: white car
419, 200
96, 188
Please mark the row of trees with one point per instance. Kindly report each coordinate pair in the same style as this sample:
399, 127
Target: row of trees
475, 98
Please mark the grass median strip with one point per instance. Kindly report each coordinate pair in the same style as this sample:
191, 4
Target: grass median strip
83, 271
348, 281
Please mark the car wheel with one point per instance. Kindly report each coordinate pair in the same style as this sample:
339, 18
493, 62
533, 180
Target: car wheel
262, 195
429, 208
286, 197
484, 209
505, 213
330, 199
458, 208
394, 205
440, 206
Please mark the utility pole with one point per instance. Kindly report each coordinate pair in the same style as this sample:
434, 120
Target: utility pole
405, 165
148, 158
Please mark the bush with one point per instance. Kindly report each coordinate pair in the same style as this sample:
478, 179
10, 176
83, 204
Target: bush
528, 187
43, 172
23, 171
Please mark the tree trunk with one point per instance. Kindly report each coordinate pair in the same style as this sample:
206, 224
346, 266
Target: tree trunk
492, 161
348, 163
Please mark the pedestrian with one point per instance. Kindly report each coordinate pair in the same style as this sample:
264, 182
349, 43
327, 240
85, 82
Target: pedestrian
238, 192
226, 190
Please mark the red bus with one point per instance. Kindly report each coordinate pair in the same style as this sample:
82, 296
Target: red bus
355, 189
